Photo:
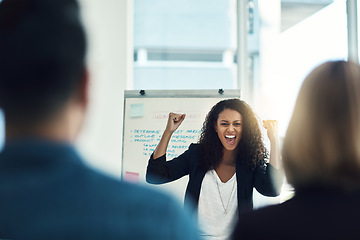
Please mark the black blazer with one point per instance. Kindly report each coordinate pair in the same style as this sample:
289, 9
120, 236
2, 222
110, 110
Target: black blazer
161, 171
312, 214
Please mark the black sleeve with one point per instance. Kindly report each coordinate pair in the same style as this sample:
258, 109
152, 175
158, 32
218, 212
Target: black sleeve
161, 171
267, 180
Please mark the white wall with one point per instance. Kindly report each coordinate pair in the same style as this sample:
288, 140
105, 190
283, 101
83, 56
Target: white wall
110, 56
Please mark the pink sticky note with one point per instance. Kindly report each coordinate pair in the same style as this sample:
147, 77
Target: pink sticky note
132, 177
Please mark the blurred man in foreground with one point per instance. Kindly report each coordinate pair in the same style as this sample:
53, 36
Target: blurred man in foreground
46, 191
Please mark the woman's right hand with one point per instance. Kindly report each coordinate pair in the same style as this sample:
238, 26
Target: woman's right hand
174, 121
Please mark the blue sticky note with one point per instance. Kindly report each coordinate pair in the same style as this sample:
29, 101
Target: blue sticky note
137, 110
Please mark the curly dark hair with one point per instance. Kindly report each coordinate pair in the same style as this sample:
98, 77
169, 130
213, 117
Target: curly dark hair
251, 147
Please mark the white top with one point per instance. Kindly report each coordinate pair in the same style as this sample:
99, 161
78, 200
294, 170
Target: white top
217, 213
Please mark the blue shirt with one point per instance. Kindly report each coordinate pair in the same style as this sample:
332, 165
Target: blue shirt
47, 192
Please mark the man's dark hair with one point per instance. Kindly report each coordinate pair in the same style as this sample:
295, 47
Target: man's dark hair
42, 57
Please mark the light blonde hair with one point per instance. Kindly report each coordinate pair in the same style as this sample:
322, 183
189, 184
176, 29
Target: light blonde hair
322, 142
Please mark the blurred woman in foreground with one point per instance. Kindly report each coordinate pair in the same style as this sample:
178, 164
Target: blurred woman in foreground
321, 158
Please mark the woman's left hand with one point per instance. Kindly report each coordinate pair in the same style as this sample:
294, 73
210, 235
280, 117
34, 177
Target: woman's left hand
271, 127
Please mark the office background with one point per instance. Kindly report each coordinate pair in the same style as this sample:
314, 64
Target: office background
263, 47
159, 44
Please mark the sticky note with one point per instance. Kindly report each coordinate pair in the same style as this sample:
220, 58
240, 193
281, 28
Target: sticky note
137, 110
132, 177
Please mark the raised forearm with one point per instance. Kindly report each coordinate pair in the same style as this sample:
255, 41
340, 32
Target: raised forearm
174, 121
163, 144
275, 153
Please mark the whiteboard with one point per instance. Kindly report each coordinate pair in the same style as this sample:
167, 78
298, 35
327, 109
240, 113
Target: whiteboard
145, 118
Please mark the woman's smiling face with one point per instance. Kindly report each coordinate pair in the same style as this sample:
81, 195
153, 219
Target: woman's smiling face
229, 128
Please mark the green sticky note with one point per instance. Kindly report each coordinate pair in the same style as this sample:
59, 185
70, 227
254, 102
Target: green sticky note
137, 110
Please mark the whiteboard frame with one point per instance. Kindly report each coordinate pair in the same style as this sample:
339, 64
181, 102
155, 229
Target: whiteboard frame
207, 93
201, 93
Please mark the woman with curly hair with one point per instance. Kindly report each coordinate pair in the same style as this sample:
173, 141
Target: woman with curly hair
223, 167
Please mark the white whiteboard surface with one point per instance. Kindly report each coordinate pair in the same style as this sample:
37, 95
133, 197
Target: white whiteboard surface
145, 118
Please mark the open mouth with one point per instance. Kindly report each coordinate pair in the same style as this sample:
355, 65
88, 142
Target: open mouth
230, 139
